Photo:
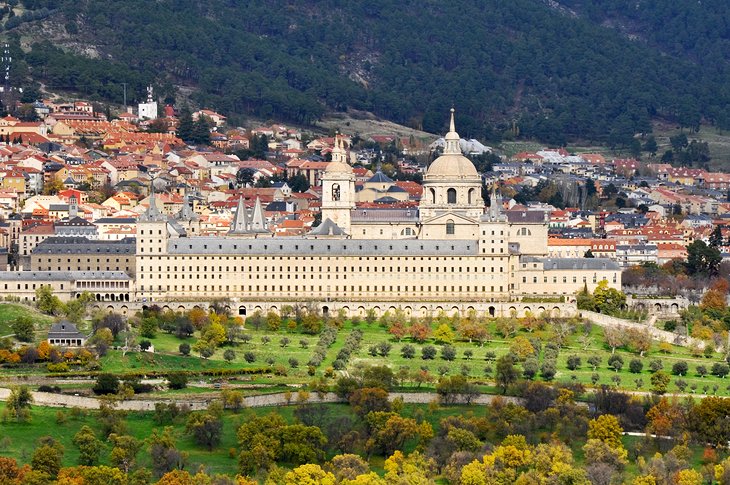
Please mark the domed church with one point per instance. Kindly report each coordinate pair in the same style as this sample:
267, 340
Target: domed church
450, 208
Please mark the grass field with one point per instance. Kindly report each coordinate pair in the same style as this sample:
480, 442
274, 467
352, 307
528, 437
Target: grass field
9, 313
168, 358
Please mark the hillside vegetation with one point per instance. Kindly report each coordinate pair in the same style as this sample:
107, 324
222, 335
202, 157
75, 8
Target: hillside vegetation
517, 68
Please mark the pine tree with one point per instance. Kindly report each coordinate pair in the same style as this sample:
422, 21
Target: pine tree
716, 237
201, 131
185, 126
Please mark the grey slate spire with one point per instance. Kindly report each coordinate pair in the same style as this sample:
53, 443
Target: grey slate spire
187, 213
240, 221
258, 221
152, 214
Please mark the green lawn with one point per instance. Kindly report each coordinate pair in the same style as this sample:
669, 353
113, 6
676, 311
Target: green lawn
9, 313
274, 354
167, 357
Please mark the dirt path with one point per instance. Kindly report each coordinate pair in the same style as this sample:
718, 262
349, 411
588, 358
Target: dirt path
280, 399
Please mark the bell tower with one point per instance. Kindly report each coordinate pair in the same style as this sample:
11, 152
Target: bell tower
338, 187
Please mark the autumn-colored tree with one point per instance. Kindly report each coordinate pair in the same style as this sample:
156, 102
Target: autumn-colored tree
443, 334
714, 300
47, 457
639, 340
419, 331
398, 330
608, 301
83, 475
470, 330
390, 431
369, 399
309, 474
665, 419
44, 350
198, 317
689, 476
348, 467
53, 186
522, 348
415, 468
607, 429
273, 321
10, 473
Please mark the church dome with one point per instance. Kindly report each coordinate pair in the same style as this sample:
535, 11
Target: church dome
452, 164
338, 167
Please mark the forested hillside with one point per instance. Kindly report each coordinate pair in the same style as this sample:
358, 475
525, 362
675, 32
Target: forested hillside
512, 68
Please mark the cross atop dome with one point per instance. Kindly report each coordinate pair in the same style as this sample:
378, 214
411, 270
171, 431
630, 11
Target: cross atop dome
452, 138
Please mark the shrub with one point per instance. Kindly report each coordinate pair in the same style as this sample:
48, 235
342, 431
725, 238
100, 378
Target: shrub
548, 370
229, 355
720, 369
680, 368
529, 368
635, 366
47, 388
177, 380
408, 351
106, 384
184, 348
249, 357
656, 365
59, 367
383, 349
701, 370
615, 362
428, 352
573, 362
293, 363
448, 352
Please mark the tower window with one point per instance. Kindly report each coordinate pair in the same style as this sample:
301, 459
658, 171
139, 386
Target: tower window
451, 196
450, 228
336, 192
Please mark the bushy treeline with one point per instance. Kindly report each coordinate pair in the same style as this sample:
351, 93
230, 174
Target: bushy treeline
557, 77
546, 436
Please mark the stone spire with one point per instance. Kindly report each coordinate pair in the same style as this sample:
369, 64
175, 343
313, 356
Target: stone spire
240, 222
152, 214
258, 220
187, 213
452, 138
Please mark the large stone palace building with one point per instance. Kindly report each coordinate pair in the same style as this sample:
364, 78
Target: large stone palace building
451, 254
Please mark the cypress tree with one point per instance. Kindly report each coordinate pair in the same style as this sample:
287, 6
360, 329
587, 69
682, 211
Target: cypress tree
185, 125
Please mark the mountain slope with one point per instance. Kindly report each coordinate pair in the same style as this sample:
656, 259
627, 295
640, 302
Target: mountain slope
554, 75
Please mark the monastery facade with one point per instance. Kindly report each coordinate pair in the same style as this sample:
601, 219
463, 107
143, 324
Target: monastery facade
451, 253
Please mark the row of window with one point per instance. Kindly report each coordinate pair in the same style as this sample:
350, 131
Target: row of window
307, 288
198, 270
565, 279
